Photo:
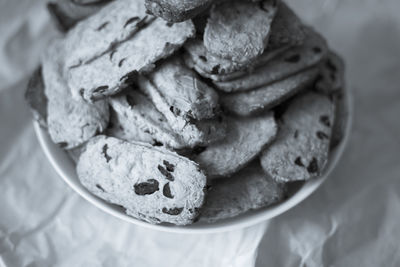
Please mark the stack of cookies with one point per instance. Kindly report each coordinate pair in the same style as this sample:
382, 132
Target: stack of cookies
181, 112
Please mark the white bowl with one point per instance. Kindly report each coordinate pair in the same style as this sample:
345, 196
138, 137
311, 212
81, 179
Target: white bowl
65, 167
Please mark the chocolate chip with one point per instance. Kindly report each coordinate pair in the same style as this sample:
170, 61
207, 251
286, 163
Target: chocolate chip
215, 69
130, 100
146, 130
322, 135
62, 144
157, 143
324, 119
166, 173
102, 26
203, 58
170, 167
298, 162
81, 92
169, 24
175, 110
317, 49
167, 191
293, 59
100, 89
129, 21
146, 188
104, 151
195, 210
121, 62
100, 187
313, 166
199, 149
296, 134
174, 211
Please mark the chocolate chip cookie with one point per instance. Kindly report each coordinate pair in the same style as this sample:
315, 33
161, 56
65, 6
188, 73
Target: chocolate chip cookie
300, 151
154, 185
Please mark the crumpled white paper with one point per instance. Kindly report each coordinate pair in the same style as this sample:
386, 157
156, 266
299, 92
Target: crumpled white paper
352, 220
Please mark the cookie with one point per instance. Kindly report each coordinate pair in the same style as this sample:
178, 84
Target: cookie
36, 98
292, 61
193, 132
287, 31
66, 13
154, 185
177, 11
246, 190
266, 97
108, 73
70, 122
220, 69
239, 30
135, 114
120, 127
300, 151
286, 28
246, 138
105, 30
183, 91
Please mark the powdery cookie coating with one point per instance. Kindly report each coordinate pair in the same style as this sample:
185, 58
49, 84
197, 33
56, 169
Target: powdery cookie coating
70, 122
177, 10
192, 132
301, 148
36, 98
107, 74
66, 13
266, 97
120, 127
154, 185
181, 89
113, 24
246, 138
248, 189
292, 61
239, 30
287, 31
220, 69
136, 114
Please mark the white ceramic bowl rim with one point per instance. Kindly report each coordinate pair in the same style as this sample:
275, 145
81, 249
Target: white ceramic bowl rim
66, 169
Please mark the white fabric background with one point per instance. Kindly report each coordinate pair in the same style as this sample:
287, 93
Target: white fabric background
352, 220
